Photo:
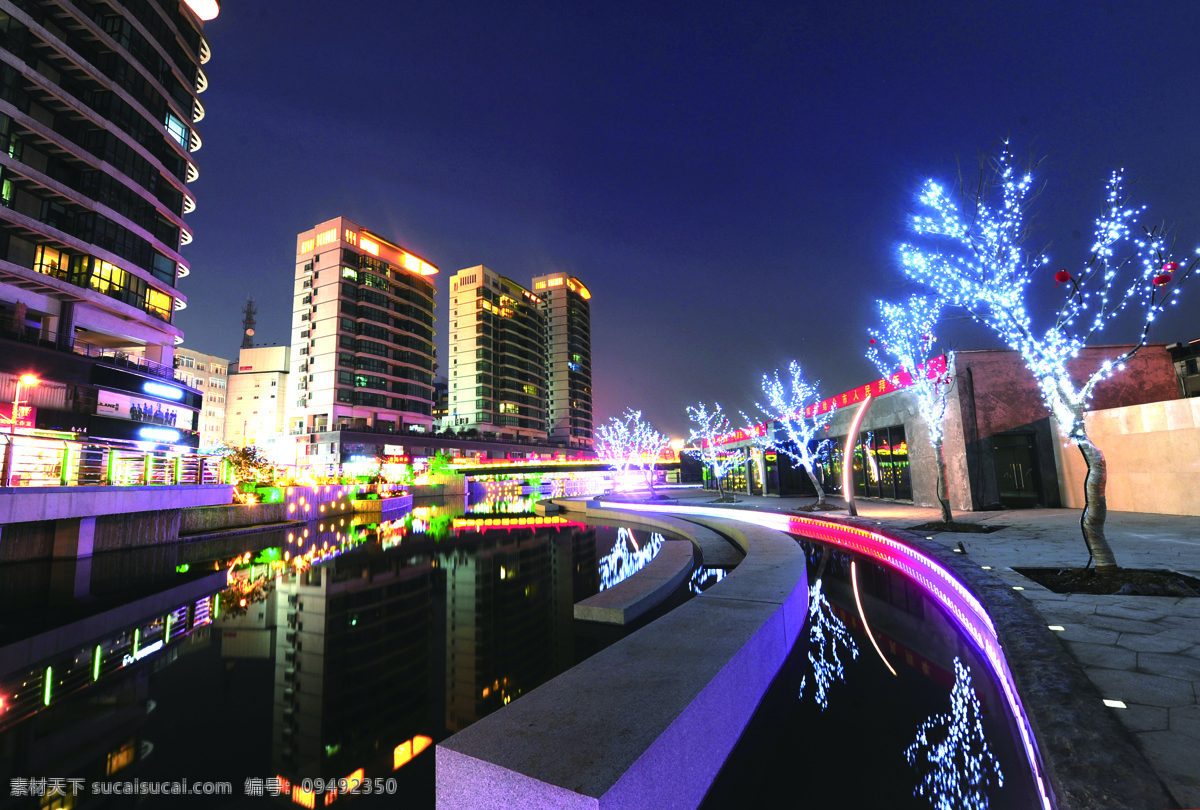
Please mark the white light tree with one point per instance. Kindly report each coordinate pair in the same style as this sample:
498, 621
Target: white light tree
795, 407
710, 427
906, 345
629, 441
985, 270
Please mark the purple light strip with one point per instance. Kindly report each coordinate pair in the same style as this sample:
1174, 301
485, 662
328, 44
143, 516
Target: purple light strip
937, 581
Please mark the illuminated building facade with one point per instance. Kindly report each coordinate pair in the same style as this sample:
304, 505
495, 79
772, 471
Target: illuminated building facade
1001, 447
497, 362
257, 393
362, 352
98, 107
566, 303
208, 374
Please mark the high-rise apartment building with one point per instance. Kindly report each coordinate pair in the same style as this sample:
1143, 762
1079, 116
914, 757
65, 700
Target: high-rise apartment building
362, 350
97, 111
208, 374
497, 364
566, 304
257, 395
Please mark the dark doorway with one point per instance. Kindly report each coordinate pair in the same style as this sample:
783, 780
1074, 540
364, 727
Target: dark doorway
1016, 470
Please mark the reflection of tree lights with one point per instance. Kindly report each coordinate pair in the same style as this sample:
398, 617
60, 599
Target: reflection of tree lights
623, 562
961, 765
825, 632
704, 578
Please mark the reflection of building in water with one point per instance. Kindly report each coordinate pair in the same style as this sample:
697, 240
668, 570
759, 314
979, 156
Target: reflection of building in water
351, 666
507, 618
74, 696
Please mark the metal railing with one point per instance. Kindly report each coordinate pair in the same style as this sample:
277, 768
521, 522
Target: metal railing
33, 462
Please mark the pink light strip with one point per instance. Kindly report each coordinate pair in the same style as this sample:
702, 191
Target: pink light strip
938, 582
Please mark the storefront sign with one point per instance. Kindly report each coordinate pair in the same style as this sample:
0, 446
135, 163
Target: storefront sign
136, 409
26, 416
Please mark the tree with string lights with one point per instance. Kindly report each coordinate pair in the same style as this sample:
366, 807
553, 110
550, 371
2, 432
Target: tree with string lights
986, 270
710, 427
630, 441
796, 409
905, 346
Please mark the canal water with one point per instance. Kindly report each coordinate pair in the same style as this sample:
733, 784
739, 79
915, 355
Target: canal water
231, 661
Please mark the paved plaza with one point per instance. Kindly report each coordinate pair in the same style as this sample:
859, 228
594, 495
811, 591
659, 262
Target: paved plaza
1141, 650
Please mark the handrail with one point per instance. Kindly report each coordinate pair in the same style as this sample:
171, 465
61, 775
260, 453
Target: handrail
30, 461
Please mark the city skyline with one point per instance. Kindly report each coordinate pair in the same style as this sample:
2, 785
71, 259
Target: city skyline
703, 171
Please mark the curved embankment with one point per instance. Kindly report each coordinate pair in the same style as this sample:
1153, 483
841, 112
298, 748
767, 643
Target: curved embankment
649, 721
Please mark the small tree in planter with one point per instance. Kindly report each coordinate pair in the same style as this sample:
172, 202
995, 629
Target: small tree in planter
711, 426
906, 345
795, 407
629, 441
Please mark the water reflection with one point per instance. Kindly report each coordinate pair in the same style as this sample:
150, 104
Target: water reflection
627, 557
826, 633
951, 751
704, 578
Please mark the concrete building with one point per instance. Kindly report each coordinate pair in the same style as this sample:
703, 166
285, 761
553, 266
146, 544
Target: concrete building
257, 393
497, 364
1001, 446
362, 351
97, 133
209, 374
566, 303
1186, 357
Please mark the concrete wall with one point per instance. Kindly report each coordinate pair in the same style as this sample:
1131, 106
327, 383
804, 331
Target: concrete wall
230, 516
1153, 457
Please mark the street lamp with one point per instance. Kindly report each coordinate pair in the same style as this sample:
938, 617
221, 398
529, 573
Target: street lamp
24, 380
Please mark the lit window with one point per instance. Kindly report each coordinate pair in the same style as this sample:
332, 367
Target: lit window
177, 129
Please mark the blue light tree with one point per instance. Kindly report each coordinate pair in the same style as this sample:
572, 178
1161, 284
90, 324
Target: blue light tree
951, 751
795, 407
986, 270
710, 427
906, 345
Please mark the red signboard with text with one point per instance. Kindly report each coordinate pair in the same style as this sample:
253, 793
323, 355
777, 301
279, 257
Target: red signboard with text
26, 416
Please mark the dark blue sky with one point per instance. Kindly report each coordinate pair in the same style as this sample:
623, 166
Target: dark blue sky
729, 180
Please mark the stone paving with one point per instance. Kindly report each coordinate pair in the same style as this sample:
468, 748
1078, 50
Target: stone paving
1141, 650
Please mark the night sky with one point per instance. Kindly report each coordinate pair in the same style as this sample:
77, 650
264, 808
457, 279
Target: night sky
730, 181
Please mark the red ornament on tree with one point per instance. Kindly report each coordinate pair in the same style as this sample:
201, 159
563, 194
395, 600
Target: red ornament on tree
1061, 277
872, 340
1170, 267
1162, 278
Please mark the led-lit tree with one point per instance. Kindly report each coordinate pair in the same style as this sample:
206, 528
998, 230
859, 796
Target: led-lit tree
629, 441
795, 407
986, 270
906, 345
710, 426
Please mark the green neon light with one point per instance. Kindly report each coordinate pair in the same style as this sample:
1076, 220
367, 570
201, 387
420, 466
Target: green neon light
96, 664
137, 638
46, 693
167, 634
181, 569
216, 604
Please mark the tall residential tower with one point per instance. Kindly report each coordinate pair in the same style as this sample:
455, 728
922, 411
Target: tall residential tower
97, 113
566, 303
497, 362
362, 334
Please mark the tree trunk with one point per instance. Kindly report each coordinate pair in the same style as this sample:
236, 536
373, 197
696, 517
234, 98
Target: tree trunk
817, 484
650, 478
720, 491
943, 485
1095, 508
